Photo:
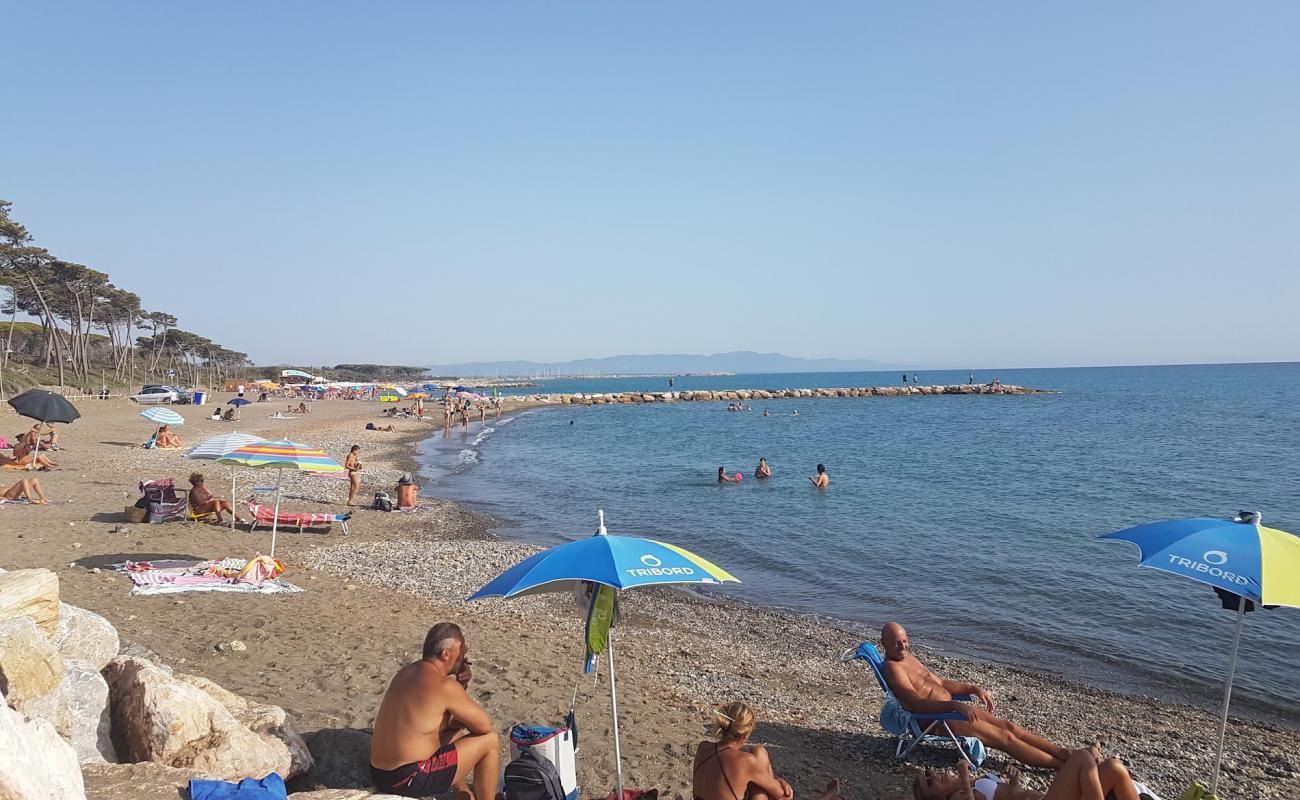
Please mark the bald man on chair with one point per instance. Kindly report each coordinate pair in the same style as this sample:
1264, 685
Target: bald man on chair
921, 692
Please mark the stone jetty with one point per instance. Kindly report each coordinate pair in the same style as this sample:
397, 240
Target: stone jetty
741, 395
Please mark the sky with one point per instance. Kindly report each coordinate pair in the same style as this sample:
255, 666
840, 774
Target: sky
993, 184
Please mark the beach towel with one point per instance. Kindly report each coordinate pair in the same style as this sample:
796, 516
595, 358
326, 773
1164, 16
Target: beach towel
269, 788
171, 576
896, 720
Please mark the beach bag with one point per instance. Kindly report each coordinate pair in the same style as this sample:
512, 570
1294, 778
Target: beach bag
383, 502
530, 776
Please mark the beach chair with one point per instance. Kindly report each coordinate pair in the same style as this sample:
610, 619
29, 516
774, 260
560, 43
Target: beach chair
914, 729
164, 503
194, 516
265, 516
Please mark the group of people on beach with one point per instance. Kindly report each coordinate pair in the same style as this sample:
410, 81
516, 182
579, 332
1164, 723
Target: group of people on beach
430, 738
30, 448
763, 471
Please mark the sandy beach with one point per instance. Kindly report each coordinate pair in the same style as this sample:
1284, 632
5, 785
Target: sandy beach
326, 654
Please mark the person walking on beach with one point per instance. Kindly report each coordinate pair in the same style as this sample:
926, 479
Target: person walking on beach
919, 691
822, 480
429, 735
353, 465
762, 470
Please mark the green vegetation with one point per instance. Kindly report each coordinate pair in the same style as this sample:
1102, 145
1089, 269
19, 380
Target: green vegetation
85, 325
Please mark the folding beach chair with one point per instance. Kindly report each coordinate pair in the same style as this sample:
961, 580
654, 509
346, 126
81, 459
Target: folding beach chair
913, 729
194, 516
164, 503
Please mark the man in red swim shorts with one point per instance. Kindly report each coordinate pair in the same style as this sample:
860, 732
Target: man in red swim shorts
429, 734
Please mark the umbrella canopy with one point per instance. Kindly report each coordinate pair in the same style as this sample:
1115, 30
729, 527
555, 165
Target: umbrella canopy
237, 402
1240, 557
281, 454
45, 406
1248, 559
222, 445
618, 561
162, 416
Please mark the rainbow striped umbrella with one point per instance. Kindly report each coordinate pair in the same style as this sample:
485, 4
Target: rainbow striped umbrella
280, 455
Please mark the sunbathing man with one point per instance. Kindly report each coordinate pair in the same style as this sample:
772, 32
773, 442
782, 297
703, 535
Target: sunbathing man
167, 438
429, 734
725, 769
29, 488
919, 691
203, 501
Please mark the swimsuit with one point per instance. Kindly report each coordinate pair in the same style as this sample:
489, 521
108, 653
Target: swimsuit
721, 769
987, 786
432, 776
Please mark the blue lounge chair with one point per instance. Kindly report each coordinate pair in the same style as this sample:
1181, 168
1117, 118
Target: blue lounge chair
913, 729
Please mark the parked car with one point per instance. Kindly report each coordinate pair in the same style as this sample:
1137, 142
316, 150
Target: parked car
156, 393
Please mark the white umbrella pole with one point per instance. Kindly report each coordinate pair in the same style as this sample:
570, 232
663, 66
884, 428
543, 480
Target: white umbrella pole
1227, 695
613, 703
275, 521
36, 449
232, 497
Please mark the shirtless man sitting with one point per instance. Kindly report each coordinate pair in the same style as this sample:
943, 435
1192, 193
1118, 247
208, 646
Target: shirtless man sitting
921, 692
429, 734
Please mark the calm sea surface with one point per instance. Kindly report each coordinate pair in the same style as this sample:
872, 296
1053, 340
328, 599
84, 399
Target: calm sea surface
971, 519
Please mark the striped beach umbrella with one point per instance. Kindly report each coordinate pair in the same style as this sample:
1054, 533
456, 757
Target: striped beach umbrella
280, 455
221, 446
162, 416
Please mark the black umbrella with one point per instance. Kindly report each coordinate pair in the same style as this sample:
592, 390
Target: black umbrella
45, 406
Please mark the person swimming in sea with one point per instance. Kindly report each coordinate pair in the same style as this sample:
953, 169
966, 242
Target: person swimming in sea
762, 470
723, 477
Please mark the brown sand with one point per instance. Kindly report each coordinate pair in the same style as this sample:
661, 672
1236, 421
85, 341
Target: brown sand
327, 654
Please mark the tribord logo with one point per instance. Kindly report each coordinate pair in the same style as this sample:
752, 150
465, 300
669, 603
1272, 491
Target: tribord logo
655, 568
1211, 563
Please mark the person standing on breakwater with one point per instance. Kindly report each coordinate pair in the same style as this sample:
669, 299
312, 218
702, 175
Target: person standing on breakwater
762, 470
822, 480
904, 378
353, 465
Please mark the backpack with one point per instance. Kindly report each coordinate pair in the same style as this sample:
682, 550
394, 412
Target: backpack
383, 502
532, 777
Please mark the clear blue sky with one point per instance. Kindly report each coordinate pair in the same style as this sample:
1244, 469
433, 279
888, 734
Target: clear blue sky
987, 184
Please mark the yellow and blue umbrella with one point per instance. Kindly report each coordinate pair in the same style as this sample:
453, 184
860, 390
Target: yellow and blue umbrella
1240, 557
280, 455
605, 564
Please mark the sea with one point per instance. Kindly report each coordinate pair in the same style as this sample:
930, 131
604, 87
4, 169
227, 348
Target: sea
972, 519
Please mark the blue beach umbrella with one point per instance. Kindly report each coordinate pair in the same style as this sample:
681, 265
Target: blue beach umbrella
617, 562
1239, 557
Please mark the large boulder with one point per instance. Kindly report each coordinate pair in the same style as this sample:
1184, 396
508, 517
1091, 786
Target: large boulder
165, 719
86, 693
35, 762
31, 593
30, 667
266, 721
85, 636
143, 781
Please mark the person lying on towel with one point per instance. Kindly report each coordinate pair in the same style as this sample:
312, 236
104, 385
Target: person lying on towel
1082, 778
920, 692
430, 735
29, 489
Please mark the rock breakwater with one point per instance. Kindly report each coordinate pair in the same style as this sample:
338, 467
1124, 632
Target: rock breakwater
741, 395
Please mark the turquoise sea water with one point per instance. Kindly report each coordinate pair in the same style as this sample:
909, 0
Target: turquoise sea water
971, 519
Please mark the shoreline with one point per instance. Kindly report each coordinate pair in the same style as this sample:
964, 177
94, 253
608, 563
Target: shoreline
326, 654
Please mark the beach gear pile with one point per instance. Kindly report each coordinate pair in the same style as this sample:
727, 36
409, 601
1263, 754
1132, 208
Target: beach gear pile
258, 575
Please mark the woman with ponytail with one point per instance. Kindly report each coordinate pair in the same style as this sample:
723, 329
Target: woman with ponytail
728, 768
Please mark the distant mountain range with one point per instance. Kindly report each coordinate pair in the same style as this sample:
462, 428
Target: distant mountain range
741, 361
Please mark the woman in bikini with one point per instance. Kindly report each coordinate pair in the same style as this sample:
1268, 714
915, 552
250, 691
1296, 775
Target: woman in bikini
203, 501
1082, 778
353, 465
24, 456
726, 769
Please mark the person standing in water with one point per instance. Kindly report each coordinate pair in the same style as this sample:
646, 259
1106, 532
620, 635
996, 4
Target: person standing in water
822, 480
723, 477
762, 470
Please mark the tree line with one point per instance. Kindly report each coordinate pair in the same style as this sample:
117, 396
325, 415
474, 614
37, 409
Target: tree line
88, 328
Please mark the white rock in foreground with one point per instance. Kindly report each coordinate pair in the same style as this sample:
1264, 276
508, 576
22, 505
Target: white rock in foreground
86, 693
35, 762
30, 667
85, 636
31, 593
